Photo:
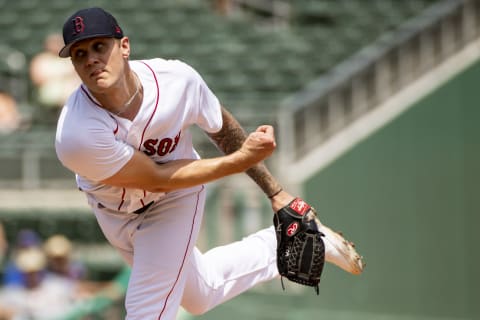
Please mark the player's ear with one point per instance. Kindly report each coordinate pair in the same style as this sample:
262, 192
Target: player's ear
125, 47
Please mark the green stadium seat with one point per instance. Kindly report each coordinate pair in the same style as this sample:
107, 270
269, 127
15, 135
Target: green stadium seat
251, 65
7, 19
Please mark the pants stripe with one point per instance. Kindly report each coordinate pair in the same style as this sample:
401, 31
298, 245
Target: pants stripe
184, 256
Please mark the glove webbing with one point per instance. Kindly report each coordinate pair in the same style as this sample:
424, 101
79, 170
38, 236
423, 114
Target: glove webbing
301, 271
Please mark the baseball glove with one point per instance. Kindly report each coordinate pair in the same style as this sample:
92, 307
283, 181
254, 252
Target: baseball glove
300, 248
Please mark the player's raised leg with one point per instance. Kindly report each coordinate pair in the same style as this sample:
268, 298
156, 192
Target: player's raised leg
226, 271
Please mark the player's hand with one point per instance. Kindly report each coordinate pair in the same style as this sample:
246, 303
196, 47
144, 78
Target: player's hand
259, 145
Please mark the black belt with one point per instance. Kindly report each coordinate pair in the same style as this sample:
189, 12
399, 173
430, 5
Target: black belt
143, 209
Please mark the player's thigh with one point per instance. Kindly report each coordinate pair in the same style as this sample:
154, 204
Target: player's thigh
162, 244
117, 228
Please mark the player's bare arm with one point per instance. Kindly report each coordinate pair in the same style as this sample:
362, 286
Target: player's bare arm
141, 172
229, 139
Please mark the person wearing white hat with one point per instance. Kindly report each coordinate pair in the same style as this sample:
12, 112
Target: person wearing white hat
41, 297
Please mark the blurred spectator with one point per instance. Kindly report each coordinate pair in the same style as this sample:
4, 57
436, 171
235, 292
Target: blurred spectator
10, 117
58, 250
60, 263
223, 7
3, 244
54, 78
25, 239
40, 297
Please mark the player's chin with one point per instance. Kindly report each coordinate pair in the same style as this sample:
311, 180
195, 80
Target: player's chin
98, 84
100, 80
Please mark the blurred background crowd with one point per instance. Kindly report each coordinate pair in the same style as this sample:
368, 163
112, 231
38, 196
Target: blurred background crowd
41, 279
374, 106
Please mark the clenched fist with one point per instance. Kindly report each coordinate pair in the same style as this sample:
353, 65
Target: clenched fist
259, 145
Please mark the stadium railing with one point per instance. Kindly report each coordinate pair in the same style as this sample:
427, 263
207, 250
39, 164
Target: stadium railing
310, 117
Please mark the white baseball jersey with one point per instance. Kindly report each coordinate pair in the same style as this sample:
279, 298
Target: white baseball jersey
95, 144
159, 244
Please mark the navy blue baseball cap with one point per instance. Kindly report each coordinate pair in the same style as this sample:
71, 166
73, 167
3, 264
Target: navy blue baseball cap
88, 23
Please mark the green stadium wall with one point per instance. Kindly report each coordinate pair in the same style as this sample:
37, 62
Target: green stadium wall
407, 196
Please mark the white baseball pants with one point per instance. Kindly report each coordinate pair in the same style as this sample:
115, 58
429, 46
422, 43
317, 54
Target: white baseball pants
169, 271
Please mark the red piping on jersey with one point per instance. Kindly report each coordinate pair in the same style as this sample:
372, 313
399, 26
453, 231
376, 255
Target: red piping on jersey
123, 199
156, 104
153, 113
144, 129
90, 97
184, 255
115, 131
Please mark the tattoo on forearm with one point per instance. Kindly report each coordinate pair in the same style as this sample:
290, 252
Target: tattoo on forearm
264, 179
229, 139
231, 136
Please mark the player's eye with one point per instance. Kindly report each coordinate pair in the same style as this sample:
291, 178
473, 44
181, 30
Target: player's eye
99, 47
77, 54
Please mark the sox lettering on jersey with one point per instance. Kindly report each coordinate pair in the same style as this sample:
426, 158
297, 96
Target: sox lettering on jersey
161, 147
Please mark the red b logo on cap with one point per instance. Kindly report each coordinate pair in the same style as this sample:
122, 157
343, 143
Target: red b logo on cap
78, 25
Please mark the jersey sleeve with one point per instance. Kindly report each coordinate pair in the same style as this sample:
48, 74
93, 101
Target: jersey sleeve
209, 116
92, 150
206, 108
